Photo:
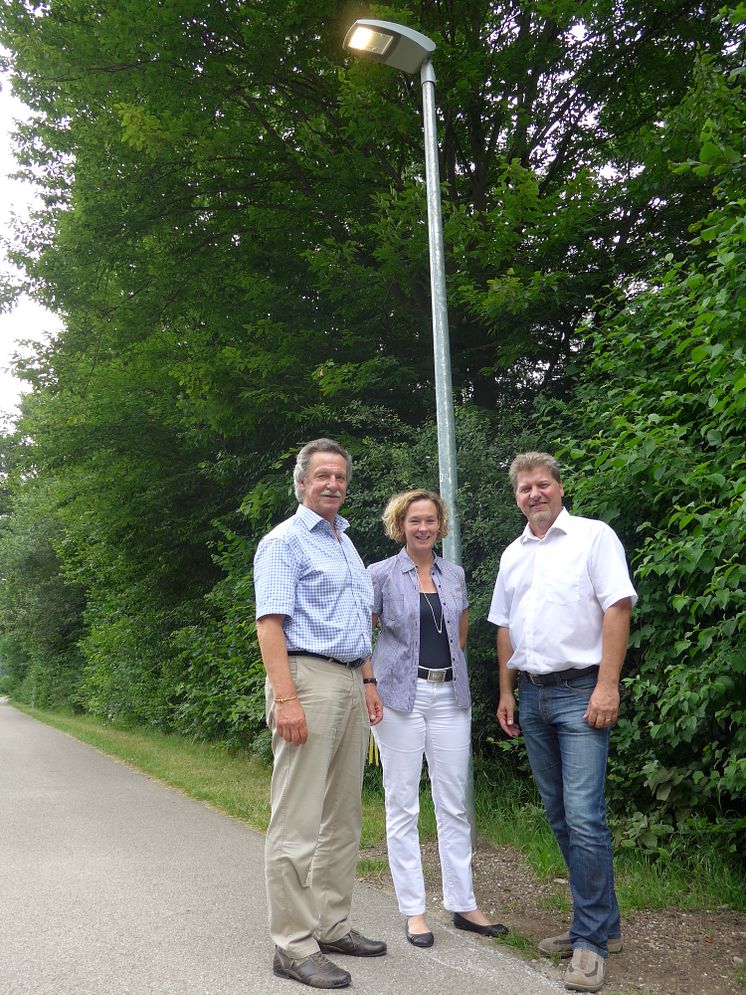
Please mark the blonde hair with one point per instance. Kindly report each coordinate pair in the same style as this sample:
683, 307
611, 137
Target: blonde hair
397, 508
524, 462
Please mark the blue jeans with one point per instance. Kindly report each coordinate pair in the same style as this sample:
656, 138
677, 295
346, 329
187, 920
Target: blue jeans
568, 761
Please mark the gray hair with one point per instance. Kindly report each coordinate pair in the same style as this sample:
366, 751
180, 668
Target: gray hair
529, 461
303, 461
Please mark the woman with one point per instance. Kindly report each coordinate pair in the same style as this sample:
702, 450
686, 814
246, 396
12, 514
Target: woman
420, 603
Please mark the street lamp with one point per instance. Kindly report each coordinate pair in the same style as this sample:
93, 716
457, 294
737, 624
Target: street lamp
408, 50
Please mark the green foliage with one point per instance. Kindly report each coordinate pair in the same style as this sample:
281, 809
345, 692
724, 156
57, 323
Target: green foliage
219, 671
126, 659
227, 179
657, 450
232, 227
40, 609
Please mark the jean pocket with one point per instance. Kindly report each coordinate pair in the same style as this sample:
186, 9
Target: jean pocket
580, 686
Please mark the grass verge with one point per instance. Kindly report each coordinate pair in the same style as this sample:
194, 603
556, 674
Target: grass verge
509, 813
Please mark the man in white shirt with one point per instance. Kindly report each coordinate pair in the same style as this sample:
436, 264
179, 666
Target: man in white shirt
562, 603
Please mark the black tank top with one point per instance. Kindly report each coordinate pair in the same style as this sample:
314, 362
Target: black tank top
434, 651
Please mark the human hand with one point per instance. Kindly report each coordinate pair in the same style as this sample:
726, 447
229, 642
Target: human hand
373, 704
506, 715
290, 721
603, 707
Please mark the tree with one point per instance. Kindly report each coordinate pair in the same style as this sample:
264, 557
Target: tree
41, 610
233, 232
655, 433
207, 175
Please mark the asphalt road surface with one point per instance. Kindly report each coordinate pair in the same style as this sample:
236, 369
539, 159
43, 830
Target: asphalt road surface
113, 884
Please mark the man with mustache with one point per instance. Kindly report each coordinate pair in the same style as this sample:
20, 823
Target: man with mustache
314, 601
562, 603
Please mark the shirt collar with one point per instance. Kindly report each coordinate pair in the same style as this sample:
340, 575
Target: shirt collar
406, 563
311, 520
562, 523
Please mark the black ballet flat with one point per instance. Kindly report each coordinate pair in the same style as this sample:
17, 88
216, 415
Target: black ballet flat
419, 939
494, 929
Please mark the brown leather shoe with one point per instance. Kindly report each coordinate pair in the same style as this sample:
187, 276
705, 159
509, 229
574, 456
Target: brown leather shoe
354, 945
316, 970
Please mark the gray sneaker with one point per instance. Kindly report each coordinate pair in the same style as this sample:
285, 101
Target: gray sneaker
586, 972
316, 970
560, 946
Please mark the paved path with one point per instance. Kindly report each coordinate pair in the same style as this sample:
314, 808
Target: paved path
112, 884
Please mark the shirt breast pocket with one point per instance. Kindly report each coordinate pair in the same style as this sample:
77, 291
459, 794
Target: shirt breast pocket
397, 615
394, 610
562, 589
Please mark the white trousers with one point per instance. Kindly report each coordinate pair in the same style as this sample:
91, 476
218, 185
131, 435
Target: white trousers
441, 731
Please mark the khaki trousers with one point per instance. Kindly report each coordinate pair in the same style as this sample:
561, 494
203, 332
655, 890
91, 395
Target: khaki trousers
314, 831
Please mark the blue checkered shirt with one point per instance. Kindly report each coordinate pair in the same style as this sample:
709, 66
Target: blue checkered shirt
318, 583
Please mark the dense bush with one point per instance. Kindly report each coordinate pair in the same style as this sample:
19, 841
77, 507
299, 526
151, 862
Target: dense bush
236, 241
41, 610
216, 677
655, 436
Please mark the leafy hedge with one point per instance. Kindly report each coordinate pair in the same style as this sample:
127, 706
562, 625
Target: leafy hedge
219, 315
656, 441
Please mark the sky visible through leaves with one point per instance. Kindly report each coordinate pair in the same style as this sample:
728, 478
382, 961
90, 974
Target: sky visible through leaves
27, 320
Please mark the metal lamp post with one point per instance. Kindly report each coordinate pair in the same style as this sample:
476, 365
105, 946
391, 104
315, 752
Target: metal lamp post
408, 50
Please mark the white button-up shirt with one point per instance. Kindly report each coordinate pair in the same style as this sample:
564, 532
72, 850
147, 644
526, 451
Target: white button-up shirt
552, 593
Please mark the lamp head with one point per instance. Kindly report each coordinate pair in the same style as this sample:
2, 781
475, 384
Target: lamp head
390, 43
